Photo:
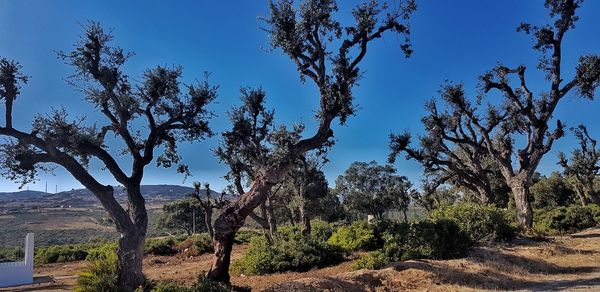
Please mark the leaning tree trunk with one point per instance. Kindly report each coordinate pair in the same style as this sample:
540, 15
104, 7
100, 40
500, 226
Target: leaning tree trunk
524, 213
231, 220
583, 199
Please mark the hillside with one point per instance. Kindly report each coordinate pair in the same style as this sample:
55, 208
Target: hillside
82, 198
73, 216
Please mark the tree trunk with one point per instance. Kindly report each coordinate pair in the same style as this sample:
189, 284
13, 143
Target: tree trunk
131, 244
305, 222
581, 194
405, 215
208, 221
524, 213
129, 261
231, 220
271, 215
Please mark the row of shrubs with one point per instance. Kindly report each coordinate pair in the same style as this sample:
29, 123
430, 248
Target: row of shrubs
561, 220
191, 245
450, 233
427, 239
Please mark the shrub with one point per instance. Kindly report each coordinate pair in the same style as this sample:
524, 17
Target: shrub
566, 219
373, 260
195, 245
359, 235
439, 239
203, 284
101, 276
321, 230
162, 246
101, 252
244, 236
11, 254
61, 253
289, 251
481, 222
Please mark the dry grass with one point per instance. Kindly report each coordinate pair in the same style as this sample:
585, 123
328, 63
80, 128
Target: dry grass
566, 263
563, 263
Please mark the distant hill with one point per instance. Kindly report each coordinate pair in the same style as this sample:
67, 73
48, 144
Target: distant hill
85, 198
21, 194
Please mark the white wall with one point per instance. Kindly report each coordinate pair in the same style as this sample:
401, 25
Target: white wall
19, 273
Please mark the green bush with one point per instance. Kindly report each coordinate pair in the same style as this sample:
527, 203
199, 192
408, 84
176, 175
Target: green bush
481, 222
289, 251
11, 254
321, 230
196, 244
244, 236
61, 253
439, 239
102, 252
359, 235
203, 284
566, 219
160, 246
373, 260
101, 276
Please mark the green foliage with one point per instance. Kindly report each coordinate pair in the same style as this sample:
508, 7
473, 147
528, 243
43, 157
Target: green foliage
289, 251
321, 230
194, 245
11, 254
439, 239
566, 219
101, 277
61, 253
178, 215
203, 284
244, 236
160, 246
101, 252
552, 191
370, 188
360, 235
373, 260
481, 222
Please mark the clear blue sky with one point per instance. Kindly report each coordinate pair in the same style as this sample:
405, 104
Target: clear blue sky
454, 40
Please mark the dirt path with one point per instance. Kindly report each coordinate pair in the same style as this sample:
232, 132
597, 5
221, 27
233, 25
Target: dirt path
563, 263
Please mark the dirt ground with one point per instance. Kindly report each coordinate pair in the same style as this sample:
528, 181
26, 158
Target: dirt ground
561, 263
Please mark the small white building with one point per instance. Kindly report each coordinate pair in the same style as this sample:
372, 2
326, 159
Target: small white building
19, 273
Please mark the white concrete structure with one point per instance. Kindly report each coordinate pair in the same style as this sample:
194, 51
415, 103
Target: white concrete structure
19, 273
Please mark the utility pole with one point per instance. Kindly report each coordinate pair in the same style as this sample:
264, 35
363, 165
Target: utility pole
46, 187
56, 189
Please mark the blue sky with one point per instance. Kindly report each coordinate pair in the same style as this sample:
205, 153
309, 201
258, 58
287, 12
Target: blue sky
453, 40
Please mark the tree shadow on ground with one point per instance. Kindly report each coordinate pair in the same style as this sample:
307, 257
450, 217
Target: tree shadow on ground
497, 270
589, 235
510, 263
